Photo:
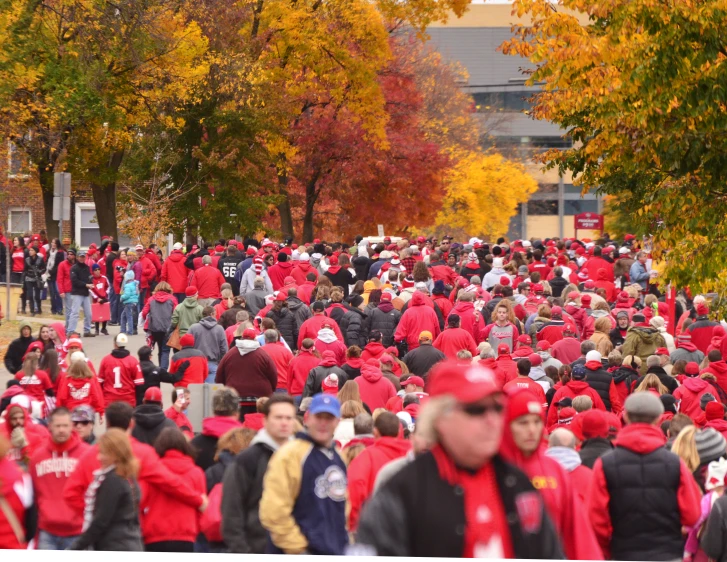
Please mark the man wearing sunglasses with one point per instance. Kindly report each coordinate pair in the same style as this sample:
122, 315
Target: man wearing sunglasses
460, 499
82, 418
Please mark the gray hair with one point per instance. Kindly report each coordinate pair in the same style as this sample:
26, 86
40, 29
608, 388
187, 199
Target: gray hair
476, 280
653, 361
464, 354
305, 403
242, 316
206, 260
562, 437
271, 336
259, 282
363, 424
587, 346
582, 403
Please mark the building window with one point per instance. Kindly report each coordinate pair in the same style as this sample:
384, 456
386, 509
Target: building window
18, 164
20, 220
87, 230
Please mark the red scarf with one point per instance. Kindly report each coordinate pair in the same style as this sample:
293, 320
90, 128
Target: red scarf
487, 534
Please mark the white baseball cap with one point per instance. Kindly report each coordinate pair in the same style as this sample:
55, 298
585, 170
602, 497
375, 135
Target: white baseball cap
122, 340
177, 246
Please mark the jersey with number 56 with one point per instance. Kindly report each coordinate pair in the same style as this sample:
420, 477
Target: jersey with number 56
119, 375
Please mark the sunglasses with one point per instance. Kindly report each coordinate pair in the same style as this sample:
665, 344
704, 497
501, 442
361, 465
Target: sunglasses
83, 423
476, 410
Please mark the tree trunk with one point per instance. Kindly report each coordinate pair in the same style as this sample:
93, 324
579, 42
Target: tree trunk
104, 197
46, 187
286, 215
311, 196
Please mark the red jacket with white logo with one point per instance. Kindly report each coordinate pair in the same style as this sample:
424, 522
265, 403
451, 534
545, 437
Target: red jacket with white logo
50, 468
156, 523
119, 375
35, 385
77, 392
14, 486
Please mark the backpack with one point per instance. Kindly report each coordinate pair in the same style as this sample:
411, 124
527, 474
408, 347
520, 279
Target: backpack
211, 521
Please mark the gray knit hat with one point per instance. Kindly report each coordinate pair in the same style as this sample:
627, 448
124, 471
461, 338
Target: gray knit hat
706, 398
644, 404
711, 445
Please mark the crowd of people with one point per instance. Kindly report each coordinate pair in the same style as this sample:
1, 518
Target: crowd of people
413, 397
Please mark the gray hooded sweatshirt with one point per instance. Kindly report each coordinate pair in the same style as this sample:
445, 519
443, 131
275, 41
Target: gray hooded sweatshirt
209, 338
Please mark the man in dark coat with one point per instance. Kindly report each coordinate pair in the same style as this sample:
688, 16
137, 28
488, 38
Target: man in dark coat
420, 360
285, 320
149, 418
17, 348
595, 433
243, 481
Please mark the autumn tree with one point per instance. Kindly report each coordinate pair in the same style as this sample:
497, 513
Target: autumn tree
640, 88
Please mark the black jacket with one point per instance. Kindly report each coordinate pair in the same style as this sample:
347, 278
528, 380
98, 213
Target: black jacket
627, 376
15, 352
353, 328
616, 337
351, 373
362, 264
300, 310
420, 360
149, 422
80, 277
314, 382
557, 285
417, 513
33, 269
115, 524
228, 267
593, 449
113, 256
242, 490
154, 376
669, 382
384, 318
342, 278
600, 380
285, 324
714, 533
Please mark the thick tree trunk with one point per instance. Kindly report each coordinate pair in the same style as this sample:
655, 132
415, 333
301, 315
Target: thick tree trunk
311, 196
286, 215
46, 186
104, 197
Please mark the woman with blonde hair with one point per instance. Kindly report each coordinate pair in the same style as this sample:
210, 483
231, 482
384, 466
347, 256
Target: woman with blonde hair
111, 517
601, 336
344, 431
651, 382
685, 447
226, 302
349, 391
78, 386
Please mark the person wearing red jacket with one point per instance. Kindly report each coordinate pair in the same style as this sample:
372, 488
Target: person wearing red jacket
597, 262
690, 394
161, 532
50, 468
418, 318
522, 445
175, 272
374, 348
24, 435
280, 271
603, 283
301, 365
577, 386
364, 468
714, 414
17, 490
701, 329
311, 327
153, 257
148, 273
152, 473
470, 318
281, 356
454, 339
375, 389
208, 281
175, 412
568, 349
642, 495
302, 268
524, 382
562, 448
438, 298
718, 367
78, 387
120, 374
198, 369
505, 368
63, 282
440, 270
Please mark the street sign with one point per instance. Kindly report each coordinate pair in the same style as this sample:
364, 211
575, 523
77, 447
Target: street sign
61, 204
381, 230
588, 221
61, 198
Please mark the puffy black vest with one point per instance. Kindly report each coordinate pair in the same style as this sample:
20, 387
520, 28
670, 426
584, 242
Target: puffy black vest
644, 507
600, 381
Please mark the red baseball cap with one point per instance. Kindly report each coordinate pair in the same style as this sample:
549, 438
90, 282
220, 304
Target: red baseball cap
153, 394
386, 297
418, 381
662, 351
249, 334
466, 383
503, 349
281, 297
594, 424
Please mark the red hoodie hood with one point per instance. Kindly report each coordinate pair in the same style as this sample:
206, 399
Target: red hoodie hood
176, 256
718, 368
60, 330
578, 386
304, 266
695, 384
462, 308
370, 373
177, 462
640, 438
418, 299
602, 274
375, 348
328, 362
161, 296
718, 425
286, 265
393, 446
217, 426
689, 346
354, 362
594, 365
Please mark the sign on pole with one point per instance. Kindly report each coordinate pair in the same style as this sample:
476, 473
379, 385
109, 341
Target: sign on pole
381, 230
61, 196
588, 221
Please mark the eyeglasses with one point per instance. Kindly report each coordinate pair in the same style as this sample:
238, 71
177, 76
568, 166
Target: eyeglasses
476, 410
83, 423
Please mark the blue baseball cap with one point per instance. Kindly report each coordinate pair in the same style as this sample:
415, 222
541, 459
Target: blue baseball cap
325, 404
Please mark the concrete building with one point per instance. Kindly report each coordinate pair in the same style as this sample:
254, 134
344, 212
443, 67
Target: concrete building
497, 85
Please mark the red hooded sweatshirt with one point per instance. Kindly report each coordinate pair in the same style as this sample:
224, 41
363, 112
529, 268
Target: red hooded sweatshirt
374, 388
282, 357
301, 270
363, 470
254, 421
719, 370
279, 272
77, 392
35, 385
718, 425
417, 319
505, 369
208, 280
642, 439
50, 468
453, 340
156, 523
566, 350
466, 312
690, 393
311, 327
373, 350
559, 494
603, 283
300, 367
14, 486
571, 390
152, 475
182, 421
35, 434
175, 272
718, 333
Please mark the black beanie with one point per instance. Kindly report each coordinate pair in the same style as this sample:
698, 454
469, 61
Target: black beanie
282, 256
